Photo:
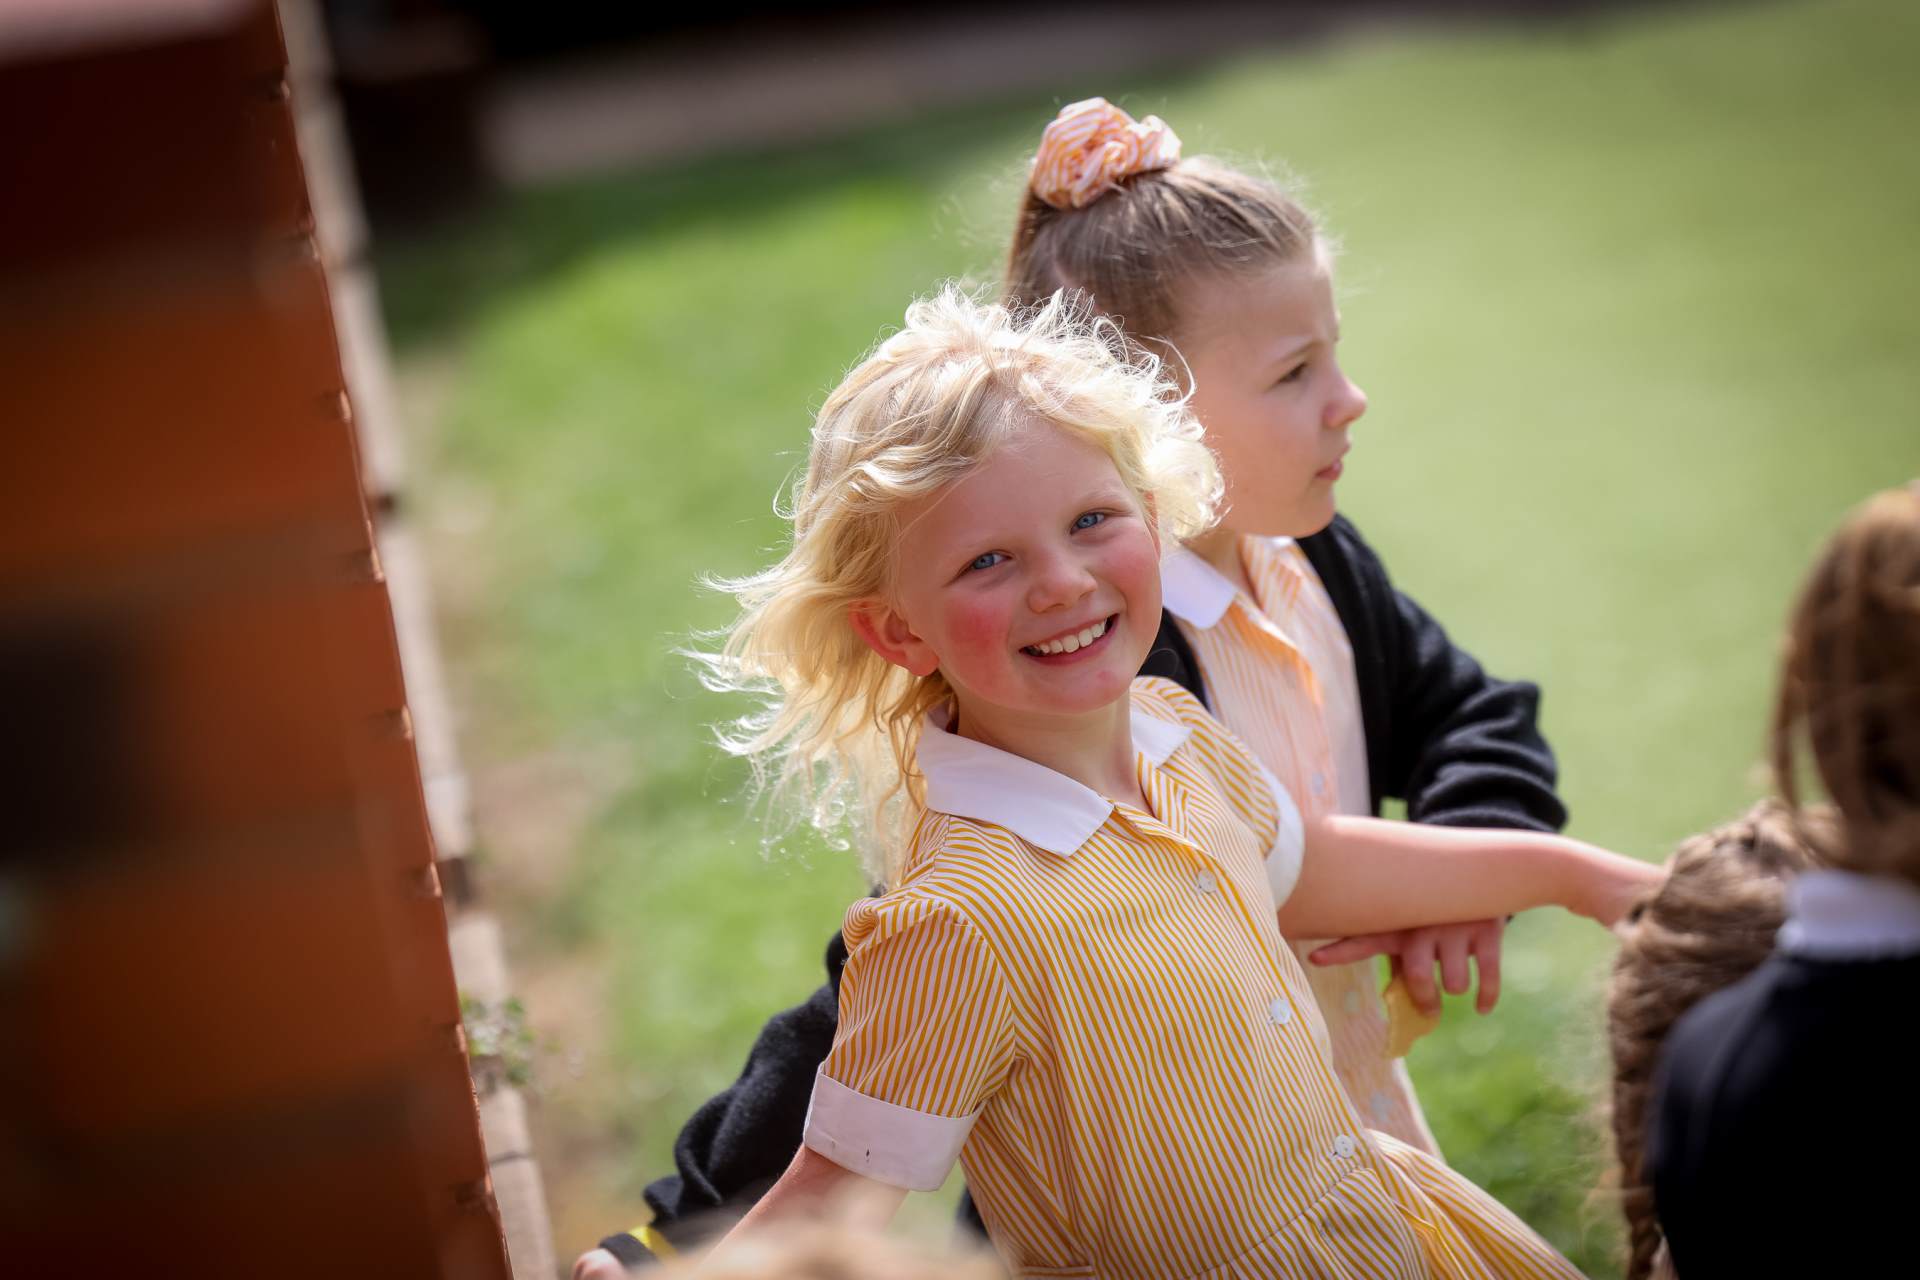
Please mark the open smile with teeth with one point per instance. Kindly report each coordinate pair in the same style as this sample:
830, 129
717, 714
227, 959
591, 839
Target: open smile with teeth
1072, 641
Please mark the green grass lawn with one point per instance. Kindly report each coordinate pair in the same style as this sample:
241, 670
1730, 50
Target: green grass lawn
1634, 302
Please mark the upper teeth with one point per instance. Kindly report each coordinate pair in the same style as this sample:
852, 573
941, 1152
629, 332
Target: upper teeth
1067, 644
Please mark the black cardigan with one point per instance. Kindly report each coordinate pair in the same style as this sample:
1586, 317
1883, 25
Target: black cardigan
1459, 746
1764, 1142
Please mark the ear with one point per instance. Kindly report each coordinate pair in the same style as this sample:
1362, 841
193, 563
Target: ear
887, 634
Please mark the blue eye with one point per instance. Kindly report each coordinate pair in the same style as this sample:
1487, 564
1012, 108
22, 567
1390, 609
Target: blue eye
1089, 520
1294, 374
987, 561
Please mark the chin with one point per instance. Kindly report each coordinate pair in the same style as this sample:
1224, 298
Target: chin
1105, 689
1314, 520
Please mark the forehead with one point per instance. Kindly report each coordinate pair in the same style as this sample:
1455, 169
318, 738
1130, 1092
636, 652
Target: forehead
1037, 468
1291, 301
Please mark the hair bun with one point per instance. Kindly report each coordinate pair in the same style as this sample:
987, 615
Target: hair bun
1091, 146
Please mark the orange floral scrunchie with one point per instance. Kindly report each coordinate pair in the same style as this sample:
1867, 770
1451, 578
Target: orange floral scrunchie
1091, 146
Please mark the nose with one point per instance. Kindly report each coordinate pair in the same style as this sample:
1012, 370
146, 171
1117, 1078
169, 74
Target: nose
1058, 579
1347, 404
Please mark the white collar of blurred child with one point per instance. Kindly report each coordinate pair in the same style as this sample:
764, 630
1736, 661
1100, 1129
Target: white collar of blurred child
1843, 915
1194, 591
973, 780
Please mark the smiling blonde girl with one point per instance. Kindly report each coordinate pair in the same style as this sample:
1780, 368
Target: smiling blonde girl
1076, 984
1280, 617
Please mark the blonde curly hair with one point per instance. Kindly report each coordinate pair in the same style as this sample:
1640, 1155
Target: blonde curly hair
834, 736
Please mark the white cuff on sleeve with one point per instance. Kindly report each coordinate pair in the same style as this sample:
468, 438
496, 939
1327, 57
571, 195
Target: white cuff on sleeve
1289, 842
891, 1144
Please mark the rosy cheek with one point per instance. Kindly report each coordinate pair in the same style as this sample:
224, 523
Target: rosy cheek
977, 627
1136, 568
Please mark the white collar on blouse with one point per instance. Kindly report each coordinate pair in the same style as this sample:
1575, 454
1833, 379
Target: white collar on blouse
973, 780
1194, 591
1843, 915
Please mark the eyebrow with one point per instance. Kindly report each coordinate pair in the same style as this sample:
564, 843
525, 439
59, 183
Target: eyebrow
1109, 491
1288, 350
1112, 492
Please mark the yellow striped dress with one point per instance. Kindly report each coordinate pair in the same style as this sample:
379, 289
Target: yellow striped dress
1278, 670
1091, 1008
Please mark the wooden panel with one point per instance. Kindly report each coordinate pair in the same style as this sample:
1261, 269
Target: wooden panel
232, 1034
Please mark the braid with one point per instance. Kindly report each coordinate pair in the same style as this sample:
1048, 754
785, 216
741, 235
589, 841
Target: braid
1710, 923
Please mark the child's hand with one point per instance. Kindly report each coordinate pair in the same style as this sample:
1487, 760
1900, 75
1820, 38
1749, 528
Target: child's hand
1416, 951
598, 1264
1610, 884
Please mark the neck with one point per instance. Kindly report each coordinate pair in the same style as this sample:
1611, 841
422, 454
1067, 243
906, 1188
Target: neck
1095, 749
1221, 548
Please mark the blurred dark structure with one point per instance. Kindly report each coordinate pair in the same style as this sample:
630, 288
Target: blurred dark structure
520, 32
234, 1045
446, 99
410, 76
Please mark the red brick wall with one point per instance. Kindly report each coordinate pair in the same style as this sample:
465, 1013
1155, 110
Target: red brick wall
229, 1036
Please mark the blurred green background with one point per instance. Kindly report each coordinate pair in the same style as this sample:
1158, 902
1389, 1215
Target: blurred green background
1634, 299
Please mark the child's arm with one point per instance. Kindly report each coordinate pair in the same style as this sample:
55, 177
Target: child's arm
813, 1183
1362, 875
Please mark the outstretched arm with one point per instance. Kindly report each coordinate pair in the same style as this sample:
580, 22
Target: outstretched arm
1362, 875
813, 1183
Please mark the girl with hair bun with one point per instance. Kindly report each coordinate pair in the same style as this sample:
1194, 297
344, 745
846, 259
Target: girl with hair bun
1342, 685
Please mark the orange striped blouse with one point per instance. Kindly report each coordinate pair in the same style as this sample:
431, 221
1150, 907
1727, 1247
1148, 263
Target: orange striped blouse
1279, 672
1090, 1006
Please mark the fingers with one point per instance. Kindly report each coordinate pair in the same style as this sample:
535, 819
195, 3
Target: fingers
598, 1264
1357, 948
1416, 965
1486, 951
1454, 949
1456, 972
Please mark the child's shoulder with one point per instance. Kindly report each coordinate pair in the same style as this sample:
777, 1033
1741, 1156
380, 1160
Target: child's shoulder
951, 856
1216, 752
949, 841
1164, 699
955, 872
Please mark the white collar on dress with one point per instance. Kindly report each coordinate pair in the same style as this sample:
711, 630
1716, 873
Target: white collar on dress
973, 780
1194, 591
1843, 915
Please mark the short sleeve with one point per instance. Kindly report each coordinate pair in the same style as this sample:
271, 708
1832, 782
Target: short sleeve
1261, 801
924, 1041
1289, 847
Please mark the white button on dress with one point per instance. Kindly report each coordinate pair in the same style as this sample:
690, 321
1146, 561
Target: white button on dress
1280, 1011
1205, 882
1344, 1147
